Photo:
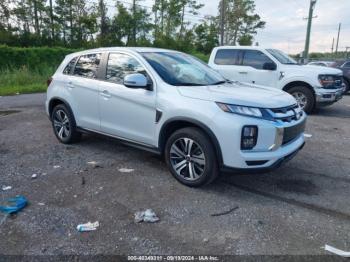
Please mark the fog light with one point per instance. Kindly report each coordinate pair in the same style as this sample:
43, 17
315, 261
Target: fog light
249, 137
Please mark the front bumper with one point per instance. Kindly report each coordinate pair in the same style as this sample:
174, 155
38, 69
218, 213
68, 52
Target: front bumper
271, 149
273, 166
328, 96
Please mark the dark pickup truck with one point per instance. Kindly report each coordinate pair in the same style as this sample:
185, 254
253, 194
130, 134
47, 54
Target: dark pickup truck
344, 65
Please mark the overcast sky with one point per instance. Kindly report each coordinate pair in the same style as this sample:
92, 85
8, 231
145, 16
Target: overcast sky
285, 28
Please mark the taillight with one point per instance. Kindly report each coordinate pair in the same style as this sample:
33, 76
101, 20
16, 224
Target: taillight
49, 81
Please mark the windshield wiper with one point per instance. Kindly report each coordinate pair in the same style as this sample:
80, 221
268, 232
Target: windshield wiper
189, 84
222, 82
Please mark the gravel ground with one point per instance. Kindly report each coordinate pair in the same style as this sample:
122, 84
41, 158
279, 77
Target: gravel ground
294, 210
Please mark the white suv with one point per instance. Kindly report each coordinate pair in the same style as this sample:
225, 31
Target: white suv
171, 103
312, 86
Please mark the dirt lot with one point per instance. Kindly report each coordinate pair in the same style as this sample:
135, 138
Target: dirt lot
294, 210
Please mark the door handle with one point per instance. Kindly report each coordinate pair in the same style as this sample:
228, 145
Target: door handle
70, 85
243, 73
106, 94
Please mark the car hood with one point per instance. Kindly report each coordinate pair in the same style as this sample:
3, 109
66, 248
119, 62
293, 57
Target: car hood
240, 94
312, 69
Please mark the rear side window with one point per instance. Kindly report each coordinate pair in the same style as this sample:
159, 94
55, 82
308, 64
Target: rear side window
68, 69
87, 65
255, 59
120, 65
226, 57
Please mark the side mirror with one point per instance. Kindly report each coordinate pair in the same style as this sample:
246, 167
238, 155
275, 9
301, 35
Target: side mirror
135, 81
269, 66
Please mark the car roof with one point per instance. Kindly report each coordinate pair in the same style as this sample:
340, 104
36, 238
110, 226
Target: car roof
115, 49
242, 47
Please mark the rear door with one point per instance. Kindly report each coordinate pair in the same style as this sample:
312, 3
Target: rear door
252, 69
128, 113
83, 87
227, 63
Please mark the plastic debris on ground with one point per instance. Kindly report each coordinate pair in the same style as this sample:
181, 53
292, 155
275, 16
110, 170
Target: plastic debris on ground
337, 251
34, 176
5, 188
88, 226
146, 216
55, 167
126, 170
94, 164
19, 202
308, 135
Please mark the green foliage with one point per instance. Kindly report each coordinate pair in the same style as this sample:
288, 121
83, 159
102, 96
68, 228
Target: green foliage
241, 22
35, 58
23, 80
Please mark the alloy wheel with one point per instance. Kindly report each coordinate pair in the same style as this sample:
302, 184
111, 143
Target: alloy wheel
187, 159
301, 99
61, 124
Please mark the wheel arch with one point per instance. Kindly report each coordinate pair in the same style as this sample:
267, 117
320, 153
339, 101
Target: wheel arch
57, 101
297, 83
174, 124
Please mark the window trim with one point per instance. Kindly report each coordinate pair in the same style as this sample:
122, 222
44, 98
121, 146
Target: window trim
245, 50
105, 65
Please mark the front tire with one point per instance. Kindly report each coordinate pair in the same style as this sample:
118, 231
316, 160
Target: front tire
191, 157
304, 97
64, 125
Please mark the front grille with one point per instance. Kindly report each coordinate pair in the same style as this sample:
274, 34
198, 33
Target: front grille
290, 133
286, 114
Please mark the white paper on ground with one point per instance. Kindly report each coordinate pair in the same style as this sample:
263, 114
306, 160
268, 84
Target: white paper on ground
337, 251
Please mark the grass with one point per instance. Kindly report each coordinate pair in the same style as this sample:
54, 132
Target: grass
24, 80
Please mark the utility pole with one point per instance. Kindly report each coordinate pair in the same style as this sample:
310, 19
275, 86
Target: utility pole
336, 48
308, 32
332, 46
222, 26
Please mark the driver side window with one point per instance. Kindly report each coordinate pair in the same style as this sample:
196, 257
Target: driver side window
120, 65
256, 59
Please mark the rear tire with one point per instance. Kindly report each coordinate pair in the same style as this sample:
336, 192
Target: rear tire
63, 124
304, 97
191, 157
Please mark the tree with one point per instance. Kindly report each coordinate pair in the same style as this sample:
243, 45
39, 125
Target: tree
241, 22
206, 36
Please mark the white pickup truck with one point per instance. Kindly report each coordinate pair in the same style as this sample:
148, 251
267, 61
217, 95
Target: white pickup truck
312, 86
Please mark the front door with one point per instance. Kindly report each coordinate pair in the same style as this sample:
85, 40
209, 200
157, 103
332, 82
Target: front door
127, 113
252, 69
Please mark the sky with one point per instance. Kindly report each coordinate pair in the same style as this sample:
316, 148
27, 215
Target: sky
286, 29
285, 24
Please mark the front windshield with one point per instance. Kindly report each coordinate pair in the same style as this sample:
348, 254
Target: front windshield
282, 57
179, 69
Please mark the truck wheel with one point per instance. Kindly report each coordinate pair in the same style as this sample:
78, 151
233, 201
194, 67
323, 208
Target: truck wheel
191, 157
64, 126
304, 97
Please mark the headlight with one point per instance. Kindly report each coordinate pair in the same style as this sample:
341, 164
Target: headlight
327, 80
242, 110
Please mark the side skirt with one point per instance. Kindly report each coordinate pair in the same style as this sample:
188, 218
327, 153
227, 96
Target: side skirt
145, 147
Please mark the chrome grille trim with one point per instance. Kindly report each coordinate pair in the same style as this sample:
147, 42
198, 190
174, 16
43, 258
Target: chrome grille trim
286, 114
